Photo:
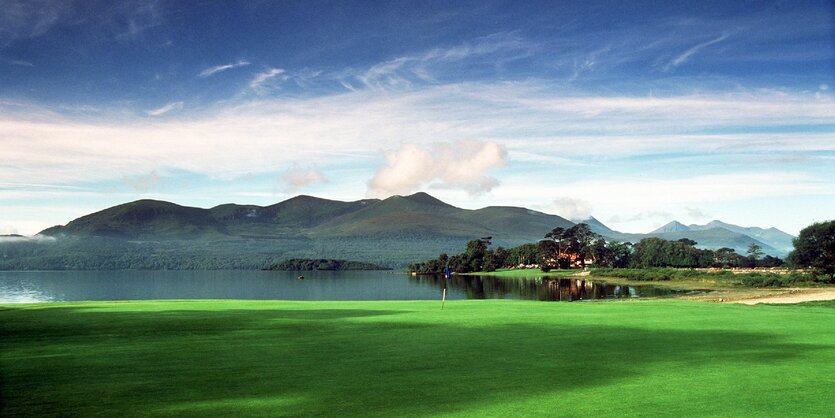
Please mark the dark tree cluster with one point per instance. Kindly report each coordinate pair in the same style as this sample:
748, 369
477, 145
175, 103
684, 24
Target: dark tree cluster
476, 257
578, 245
814, 248
657, 252
324, 264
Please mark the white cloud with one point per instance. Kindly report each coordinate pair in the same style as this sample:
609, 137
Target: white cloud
696, 213
41, 146
571, 208
261, 78
401, 72
143, 183
218, 68
297, 177
165, 109
636, 192
681, 59
21, 63
30, 18
34, 238
462, 165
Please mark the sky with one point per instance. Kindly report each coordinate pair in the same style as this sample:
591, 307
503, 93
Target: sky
636, 113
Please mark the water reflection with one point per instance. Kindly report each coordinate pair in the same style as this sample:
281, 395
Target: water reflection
544, 289
56, 286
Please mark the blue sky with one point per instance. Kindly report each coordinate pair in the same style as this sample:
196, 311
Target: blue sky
634, 112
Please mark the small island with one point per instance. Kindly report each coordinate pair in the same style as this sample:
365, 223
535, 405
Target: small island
324, 264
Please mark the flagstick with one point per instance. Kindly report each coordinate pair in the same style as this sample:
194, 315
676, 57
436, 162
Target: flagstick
443, 299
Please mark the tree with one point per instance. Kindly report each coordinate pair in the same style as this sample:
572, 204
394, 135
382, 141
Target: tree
620, 253
580, 240
603, 254
557, 235
524, 254
815, 248
688, 242
727, 257
501, 257
754, 254
545, 255
755, 251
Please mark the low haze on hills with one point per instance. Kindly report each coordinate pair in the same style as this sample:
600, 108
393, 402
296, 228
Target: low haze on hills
393, 231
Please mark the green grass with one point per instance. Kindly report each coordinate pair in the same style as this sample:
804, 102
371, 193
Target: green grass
525, 273
745, 279
475, 358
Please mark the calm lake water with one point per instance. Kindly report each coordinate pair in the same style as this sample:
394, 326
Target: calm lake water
59, 286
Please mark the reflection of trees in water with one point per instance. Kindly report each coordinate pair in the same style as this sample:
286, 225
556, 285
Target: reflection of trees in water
544, 289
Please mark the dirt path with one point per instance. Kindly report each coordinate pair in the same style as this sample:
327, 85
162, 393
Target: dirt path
791, 296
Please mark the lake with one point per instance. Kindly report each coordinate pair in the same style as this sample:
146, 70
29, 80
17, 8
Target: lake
61, 286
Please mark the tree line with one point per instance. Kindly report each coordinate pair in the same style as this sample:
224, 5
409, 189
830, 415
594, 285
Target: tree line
564, 248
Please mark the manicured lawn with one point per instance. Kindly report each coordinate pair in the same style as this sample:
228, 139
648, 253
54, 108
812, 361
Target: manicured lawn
488, 357
526, 273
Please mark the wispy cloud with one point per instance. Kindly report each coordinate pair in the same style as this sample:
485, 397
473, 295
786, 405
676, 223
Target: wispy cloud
165, 109
526, 119
683, 57
402, 72
21, 63
28, 19
22, 19
263, 77
219, 68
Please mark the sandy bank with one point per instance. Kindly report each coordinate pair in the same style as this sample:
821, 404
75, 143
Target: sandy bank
791, 296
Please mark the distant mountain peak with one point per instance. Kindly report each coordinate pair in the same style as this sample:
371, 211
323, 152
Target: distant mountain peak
595, 225
673, 226
422, 198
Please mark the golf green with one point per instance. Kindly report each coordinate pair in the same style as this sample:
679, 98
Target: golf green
474, 358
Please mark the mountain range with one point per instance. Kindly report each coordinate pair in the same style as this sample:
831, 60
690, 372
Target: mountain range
394, 231
713, 235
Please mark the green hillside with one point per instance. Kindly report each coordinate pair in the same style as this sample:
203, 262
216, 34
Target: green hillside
151, 219
150, 234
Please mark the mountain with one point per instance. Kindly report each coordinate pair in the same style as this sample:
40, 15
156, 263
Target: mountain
596, 226
718, 238
674, 226
417, 215
773, 237
393, 231
152, 234
714, 235
144, 218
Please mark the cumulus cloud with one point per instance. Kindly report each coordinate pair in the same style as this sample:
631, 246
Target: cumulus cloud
462, 165
571, 208
165, 109
297, 177
218, 68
